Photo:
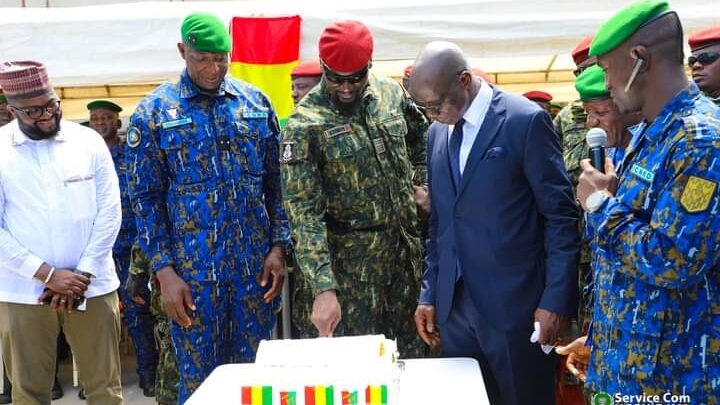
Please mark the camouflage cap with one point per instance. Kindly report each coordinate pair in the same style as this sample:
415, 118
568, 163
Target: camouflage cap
591, 84
204, 32
625, 23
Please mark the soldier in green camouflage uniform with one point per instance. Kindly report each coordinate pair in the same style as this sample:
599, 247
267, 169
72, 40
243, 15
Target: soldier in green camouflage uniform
570, 124
167, 378
350, 155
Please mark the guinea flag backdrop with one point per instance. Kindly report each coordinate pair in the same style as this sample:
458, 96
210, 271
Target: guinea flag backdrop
264, 52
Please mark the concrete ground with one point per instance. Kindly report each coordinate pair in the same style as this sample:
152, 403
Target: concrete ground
132, 394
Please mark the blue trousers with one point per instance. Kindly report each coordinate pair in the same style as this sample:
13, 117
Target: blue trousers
140, 324
229, 321
515, 371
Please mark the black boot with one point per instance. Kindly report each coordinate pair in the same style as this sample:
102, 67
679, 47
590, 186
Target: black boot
57, 391
81, 393
6, 396
147, 383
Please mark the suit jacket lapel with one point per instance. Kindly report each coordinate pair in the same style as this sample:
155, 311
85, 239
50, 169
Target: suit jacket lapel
487, 133
440, 155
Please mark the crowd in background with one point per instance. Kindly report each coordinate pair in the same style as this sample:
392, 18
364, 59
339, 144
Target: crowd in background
441, 211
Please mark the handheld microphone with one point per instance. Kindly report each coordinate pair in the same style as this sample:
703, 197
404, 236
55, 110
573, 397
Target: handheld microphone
596, 139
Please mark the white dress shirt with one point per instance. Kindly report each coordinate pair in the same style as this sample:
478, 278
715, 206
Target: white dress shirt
59, 204
474, 117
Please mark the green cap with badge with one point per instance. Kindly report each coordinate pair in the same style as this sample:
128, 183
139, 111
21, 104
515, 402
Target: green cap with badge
204, 32
104, 105
591, 84
624, 24
3, 99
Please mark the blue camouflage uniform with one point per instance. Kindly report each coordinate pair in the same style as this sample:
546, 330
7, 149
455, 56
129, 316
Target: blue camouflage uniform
656, 320
204, 178
617, 156
138, 319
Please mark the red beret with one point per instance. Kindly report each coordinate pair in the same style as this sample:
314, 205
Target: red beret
704, 38
346, 46
581, 51
479, 73
538, 96
307, 69
408, 71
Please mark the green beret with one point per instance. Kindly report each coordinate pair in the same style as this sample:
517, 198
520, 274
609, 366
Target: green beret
591, 84
3, 99
204, 32
103, 104
624, 24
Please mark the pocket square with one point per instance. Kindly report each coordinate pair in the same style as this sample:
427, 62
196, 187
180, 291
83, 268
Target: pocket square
495, 152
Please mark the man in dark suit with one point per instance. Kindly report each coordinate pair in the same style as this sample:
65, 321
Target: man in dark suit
504, 240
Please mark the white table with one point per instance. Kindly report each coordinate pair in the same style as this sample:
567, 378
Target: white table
423, 382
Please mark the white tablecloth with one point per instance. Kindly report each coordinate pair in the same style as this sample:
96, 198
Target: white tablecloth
423, 382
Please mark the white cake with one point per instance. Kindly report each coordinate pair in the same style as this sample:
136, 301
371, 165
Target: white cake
325, 371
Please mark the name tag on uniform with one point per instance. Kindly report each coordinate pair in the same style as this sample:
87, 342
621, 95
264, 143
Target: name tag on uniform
642, 173
342, 129
254, 114
176, 123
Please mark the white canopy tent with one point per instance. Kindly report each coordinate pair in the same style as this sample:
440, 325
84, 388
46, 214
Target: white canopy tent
96, 51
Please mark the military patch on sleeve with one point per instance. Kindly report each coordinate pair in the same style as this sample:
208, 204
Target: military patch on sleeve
133, 137
697, 194
342, 129
287, 153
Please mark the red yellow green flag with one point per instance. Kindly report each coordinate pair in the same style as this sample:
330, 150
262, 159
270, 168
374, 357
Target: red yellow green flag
257, 395
376, 395
264, 52
319, 395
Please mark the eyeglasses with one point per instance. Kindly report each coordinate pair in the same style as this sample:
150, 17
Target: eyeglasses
705, 58
36, 112
354, 78
434, 107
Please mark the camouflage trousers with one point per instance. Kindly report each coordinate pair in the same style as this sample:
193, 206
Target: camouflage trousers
227, 326
167, 377
379, 278
140, 325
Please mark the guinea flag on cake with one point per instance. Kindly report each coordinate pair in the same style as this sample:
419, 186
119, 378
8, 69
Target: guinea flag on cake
264, 52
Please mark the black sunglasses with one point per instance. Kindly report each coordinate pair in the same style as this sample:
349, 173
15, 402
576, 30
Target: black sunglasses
36, 112
705, 58
354, 78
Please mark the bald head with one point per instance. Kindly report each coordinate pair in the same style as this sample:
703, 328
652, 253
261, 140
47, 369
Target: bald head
439, 61
441, 82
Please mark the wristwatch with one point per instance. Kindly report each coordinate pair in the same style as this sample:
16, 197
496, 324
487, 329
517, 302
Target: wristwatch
595, 200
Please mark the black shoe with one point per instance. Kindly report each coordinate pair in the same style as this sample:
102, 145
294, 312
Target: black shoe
6, 396
148, 385
57, 391
81, 393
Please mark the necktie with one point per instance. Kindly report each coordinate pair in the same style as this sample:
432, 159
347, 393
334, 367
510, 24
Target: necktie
454, 152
